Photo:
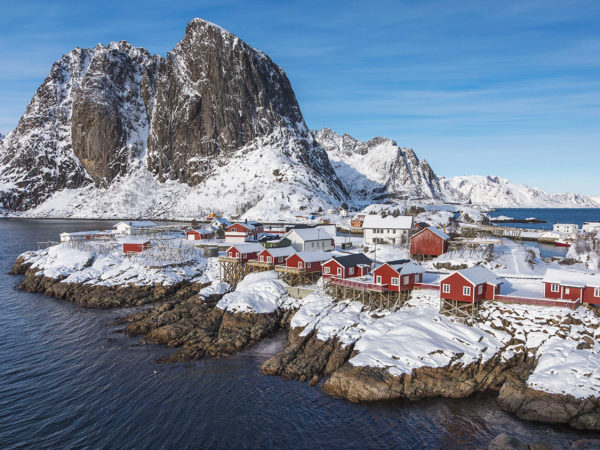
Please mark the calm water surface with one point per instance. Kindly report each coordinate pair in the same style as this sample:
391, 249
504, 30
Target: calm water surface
550, 215
70, 379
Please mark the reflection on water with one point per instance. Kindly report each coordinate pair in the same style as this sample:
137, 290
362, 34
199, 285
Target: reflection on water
68, 378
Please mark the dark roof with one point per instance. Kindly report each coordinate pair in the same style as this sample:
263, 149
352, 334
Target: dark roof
422, 224
397, 262
353, 260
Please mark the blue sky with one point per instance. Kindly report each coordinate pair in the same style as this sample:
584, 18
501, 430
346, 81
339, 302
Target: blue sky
475, 87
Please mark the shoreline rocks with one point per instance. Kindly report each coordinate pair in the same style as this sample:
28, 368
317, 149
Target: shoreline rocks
531, 404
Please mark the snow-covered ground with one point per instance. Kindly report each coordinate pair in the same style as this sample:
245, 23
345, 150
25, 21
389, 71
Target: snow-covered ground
103, 264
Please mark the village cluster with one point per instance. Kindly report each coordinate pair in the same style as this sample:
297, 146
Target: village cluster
303, 255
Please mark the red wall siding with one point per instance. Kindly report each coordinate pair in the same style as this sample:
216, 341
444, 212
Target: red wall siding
588, 296
333, 269
427, 243
573, 294
236, 254
548, 293
237, 228
456, 282
134, 248
386, 273
294, 260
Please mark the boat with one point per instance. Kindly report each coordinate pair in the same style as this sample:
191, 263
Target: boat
562, 243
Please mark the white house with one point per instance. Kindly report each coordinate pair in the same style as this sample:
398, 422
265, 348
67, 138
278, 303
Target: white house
219, 222
310, 239
590, 227
386, 230
134, 226
568, 228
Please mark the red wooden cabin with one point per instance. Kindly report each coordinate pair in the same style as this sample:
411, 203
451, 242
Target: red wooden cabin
244, 231
307, 261
275, 255
572, 285
200, 234
400, 275
244, 252
133, 245
470, 285
429, 242
348, 266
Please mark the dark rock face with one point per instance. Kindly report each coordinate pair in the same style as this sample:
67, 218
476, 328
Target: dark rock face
101, 111
198, 328
530, 404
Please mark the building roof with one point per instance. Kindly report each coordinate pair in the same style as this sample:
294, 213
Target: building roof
248, 225
572, 278
310, 234
250, 247
221, 221
276, 252
313, 256
422, 224
400, 222
404, 266
138, 223
355, 259
202, 231
479, 275
133, 240
434, 230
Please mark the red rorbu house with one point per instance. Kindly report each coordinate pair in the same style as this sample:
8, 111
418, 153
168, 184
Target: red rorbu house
307, 261
275, 255
470, 285
244, 252
399, 275
244, 231
134, 245
200, 234
572, 285
357, 221
429, 242
349, 266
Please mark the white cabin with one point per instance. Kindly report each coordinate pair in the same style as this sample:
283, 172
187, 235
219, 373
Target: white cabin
310, 239
134, 226
386, 230
568, 228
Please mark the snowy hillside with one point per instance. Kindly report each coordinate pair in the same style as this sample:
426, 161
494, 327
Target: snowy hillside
499, 192
378, 169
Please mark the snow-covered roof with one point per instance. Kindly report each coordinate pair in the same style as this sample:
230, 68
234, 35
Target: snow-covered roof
249, 226
137, 223
310, 234
436, 231
201, 231
87, 233
313, 256
221, 221
276, 252
405, 267
572, 278
132, 240
401, 222
479, 275
249, 247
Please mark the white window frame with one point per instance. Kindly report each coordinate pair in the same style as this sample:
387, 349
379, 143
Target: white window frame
406, 279
394, 281
308, 265
597, 292
231, 254
567, 291
351, 271
467, 290
269, 259
262, 258
339, 271
300, 265
378, 279
480, 289
554, 287
446, 288
326, 269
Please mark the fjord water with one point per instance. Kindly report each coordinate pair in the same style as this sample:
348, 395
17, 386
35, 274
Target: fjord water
550, 215
68, 378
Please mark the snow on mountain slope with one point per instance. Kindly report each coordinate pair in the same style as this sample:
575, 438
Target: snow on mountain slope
260, 181
499, 192
378, 169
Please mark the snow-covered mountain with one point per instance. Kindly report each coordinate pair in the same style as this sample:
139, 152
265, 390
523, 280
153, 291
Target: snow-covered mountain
116, 132
378, 169
499, 192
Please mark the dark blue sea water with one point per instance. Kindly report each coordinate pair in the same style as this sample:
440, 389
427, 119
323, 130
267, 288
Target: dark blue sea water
550, 215
68, 378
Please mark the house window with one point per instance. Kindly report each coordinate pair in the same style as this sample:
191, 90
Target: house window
406, 280
466, 290
262, 258
394, 281
480, 289
231, 254
554, 288
269, 259
446, 288
300, 265
351, 270
308, 265
326, 270
597, 292
567, 290
339, 271
378, 279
